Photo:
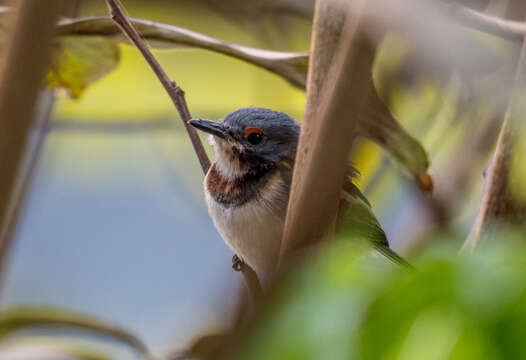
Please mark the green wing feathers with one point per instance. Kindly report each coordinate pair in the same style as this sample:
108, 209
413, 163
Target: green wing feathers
357, 220
356, 217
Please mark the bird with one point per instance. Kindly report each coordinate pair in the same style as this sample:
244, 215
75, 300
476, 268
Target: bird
247, 187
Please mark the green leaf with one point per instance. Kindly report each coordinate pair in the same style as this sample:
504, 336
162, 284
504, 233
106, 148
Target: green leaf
80, 61
347, 305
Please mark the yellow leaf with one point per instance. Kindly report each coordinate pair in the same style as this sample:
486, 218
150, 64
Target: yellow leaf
79, 61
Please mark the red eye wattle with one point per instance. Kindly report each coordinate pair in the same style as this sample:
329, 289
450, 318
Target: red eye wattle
253, 135
252, 130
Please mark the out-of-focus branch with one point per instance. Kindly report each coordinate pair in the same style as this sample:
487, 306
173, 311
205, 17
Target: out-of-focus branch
33, 153
174, 91
506, 29
493, 25
26, 61
23, 318
331, 118
177, 96
75, 7
292, 66
28, 164
499, 204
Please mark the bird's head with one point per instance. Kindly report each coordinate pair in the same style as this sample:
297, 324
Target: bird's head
251, 138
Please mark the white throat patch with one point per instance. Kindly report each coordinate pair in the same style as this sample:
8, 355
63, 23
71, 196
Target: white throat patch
227, 162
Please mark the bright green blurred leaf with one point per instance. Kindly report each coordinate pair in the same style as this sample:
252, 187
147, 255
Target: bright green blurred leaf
79, 61
347, 305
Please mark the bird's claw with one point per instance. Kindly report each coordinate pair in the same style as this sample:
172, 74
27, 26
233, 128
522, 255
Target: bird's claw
237, 263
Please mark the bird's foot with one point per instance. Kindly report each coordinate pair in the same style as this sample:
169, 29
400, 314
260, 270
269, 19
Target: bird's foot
237, 263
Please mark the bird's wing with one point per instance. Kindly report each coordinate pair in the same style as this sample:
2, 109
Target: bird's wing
356, 218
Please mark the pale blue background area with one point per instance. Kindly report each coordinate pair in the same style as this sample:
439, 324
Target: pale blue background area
132, 244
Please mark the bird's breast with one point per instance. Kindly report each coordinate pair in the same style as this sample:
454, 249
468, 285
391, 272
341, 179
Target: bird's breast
249, 216
240, 190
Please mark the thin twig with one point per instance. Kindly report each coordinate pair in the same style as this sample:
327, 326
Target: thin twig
171, 87
177, 96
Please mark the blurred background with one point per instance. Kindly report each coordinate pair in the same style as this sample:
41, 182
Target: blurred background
115, 224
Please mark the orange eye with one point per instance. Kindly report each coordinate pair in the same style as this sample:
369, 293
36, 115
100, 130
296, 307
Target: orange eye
253, 135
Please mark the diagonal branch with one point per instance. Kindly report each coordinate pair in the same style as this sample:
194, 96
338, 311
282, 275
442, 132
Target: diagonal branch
177, 96
174, 91
500, 203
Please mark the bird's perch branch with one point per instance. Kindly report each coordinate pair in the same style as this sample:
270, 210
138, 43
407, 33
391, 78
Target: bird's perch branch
500, 204
174, 91
250, 277
177, 96
331, 118
26, 60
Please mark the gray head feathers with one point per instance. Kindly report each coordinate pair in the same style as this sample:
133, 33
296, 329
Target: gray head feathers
280, 132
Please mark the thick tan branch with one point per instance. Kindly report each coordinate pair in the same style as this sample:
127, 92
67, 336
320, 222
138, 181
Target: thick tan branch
331, 118
26, 61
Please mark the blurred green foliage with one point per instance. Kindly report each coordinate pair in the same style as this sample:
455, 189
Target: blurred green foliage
349, 305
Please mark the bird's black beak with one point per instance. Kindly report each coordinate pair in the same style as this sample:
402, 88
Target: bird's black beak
210, 127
